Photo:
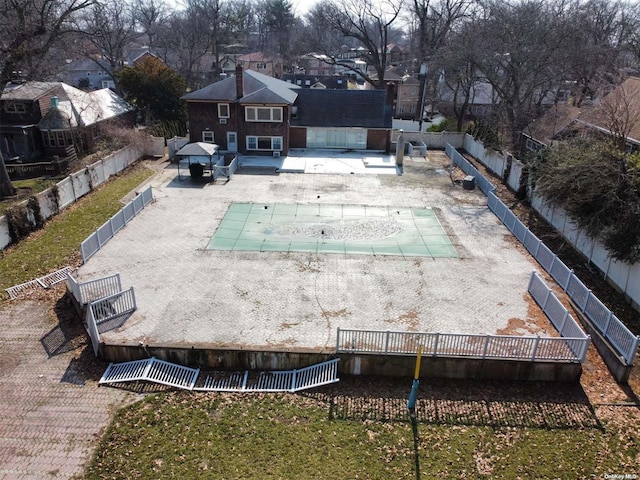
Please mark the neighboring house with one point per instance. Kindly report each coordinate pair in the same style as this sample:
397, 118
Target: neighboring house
395, 54
335, 82
481, 101
315, 64
615, 115
554, 124
136, 55
88, 74
267, 64
45, 118
256, 114
407, 97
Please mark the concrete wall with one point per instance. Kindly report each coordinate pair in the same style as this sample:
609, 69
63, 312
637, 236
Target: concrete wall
378, 365
78, 184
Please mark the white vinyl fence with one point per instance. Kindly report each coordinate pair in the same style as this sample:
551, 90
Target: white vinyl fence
622, 275
76, 185
613, 330
102, 235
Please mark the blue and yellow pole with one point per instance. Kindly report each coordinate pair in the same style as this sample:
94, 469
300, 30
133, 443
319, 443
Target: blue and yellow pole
411, 404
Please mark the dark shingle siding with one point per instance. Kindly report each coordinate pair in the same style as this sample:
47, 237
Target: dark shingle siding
342, 108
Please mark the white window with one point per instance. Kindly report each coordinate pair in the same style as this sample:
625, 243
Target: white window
264, 143
307, 82
263, 114
223, 110
108, 84
207, 136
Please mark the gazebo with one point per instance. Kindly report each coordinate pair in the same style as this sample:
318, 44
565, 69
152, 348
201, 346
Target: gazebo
197, 156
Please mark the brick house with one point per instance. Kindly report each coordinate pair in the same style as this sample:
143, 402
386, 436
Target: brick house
45, 118
255, 114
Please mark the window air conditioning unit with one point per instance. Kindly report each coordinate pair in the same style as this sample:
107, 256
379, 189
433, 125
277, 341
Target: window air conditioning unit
276, 153
223, 121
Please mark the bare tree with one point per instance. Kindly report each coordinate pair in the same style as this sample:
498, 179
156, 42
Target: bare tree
110, 28
597, 31
30, 28
190, 39
152, 16
369, 23
619, 111
436, 20
521, 60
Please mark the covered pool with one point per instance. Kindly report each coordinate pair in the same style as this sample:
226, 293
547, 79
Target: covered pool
338, 229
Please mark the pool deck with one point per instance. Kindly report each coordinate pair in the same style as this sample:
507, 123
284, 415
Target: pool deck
190, 296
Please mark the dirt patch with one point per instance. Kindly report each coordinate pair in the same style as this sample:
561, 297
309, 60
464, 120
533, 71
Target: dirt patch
410, 319
335, 313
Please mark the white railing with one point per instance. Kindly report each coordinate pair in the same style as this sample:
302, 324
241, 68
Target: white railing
92, 329
87, 292
166, 373
77, 184
104, 300
113, 306
460, 345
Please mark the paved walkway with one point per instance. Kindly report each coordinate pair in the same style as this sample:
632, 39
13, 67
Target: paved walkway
51, 410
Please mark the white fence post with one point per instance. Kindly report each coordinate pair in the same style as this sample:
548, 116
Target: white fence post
535, 347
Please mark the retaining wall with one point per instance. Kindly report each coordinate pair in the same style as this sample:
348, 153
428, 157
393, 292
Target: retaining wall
351, 364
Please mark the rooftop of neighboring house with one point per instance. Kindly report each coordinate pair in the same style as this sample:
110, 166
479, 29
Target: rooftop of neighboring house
314, 81
555, 120
26, 91
342, 108
623, 102
256, 88
77, 108
136, 54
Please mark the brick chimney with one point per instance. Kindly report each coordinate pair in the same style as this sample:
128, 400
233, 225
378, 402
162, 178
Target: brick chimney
239, 82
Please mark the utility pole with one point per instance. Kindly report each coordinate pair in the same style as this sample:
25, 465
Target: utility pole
422, 76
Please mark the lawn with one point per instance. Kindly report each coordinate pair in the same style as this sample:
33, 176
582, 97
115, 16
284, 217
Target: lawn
285, 436
26, 188
58, 244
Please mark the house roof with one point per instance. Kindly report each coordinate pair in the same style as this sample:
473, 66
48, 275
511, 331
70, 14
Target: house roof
28, 90
258, 88
329, 81
623, 101
342, 108
82, 109
553, 121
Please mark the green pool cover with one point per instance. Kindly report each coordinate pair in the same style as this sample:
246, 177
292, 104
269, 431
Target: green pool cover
343, 229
